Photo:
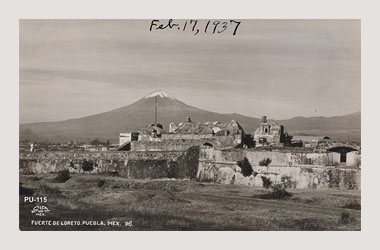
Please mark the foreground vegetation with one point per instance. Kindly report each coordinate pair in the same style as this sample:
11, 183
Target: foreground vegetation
183, 205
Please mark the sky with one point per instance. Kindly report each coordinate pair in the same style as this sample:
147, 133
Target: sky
279, 68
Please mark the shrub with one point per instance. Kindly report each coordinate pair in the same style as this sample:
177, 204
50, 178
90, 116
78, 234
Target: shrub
266, 182
278, 193
353, 205
63, 176
246, 168
265, 162
346, 218
87, 166
287, 182
101, 183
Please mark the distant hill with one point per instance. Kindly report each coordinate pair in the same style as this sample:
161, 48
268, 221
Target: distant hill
108, 125
346, 122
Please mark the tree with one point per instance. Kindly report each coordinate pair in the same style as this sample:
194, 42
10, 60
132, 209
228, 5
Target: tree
265, 162
245, 166
87, 166
266, 182
63, 176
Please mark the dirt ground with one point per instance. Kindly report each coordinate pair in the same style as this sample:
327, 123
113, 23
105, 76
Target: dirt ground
99, 202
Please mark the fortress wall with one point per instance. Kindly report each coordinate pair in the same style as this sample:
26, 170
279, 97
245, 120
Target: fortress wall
126, 164
222, 167
286, 158
295, 169
169, 145
278, 159
173, 142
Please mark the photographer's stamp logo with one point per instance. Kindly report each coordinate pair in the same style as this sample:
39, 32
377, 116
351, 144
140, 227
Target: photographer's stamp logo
40, 210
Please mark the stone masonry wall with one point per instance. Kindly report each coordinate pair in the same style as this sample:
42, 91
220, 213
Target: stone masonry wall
171, 145
293, 169
184, 142
126, 164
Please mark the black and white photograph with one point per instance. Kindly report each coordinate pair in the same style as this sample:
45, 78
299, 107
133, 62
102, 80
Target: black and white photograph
202, 124
190, 125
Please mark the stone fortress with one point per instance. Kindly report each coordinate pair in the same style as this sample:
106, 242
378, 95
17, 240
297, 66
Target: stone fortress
214, 152
185, 135
268, 137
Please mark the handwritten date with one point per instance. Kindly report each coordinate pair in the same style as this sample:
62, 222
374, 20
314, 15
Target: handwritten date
196, 26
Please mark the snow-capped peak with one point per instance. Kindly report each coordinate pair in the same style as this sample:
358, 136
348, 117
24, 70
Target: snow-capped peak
159, 93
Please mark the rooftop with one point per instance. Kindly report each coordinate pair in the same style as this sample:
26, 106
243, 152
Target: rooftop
207, 127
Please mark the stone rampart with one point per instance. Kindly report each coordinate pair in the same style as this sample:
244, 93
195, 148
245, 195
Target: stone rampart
166, 145
298, 169
292, 169
174, 164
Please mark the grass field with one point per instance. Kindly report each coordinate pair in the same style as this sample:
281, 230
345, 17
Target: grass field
181, 205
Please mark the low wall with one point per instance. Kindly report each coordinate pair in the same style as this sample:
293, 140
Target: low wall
160, 145
126, 164
293, 169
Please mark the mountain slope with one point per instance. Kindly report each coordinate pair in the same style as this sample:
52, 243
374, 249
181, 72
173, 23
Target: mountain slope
108, 125
346, 122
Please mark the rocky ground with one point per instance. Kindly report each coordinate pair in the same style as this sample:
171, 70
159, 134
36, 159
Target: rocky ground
99, 202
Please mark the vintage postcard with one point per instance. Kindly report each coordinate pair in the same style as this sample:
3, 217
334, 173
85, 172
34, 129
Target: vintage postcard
190, 124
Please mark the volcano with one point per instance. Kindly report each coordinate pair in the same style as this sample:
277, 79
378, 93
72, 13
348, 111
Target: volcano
108, 125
